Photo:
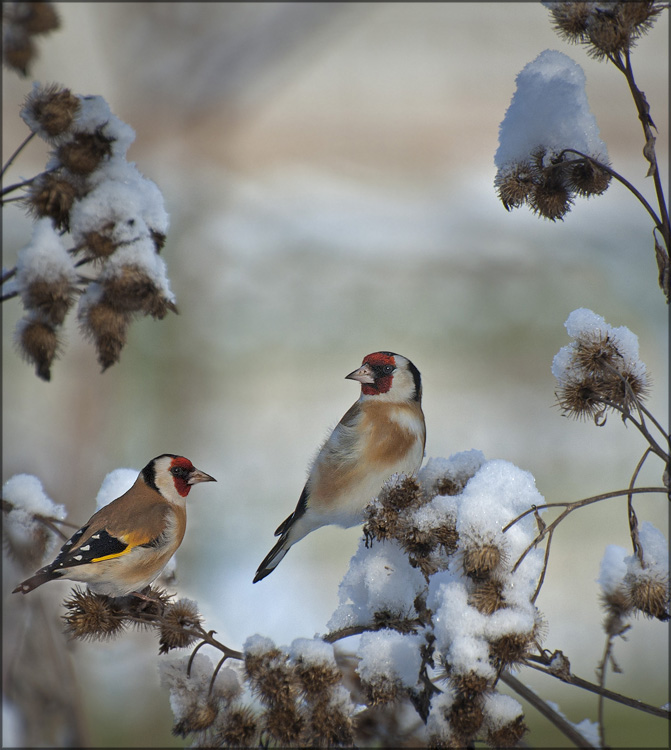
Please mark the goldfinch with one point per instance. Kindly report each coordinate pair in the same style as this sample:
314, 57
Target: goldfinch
126, 544
381, 434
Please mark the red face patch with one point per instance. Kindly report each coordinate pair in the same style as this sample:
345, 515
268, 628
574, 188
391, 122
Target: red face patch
181, 468
378, 362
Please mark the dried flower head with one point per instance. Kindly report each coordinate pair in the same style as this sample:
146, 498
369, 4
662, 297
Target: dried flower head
18, 51
99, 245
570, 19
92, 616
381, 690
512, 648
579, 398
38, 342
509, 735
178, 618
52, 195
237, 727
469, 684
85, 151
283, 722
271, 676
487, 596
130, 289
50, 110
316, 678
52, 298
481, 559
327, 725
447, 536
514, 185
466, 716
608, 29
107, 327
585, 177
200, 716
650, 594
551, 197
38, 18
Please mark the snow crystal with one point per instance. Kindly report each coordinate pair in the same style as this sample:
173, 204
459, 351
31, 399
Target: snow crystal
115, 484
390, 654
501, 709
44, 257
613, 569
549, 108
312, 651
379, 579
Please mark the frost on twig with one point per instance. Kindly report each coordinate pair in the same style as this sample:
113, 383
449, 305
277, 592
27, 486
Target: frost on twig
94, 209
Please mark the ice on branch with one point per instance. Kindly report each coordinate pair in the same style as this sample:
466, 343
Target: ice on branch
26, 507
599, 370
110, 217
549, 144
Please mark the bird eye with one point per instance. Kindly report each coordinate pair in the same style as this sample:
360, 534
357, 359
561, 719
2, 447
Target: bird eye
178, 471
388, 369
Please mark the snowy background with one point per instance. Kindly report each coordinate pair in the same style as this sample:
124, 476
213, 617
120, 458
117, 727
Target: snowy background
328, 169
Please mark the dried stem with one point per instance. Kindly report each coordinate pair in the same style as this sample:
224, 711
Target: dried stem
597, 689
569, 508
11, 159
565, 727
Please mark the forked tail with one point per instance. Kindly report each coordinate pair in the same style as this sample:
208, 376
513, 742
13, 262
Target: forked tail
273, 558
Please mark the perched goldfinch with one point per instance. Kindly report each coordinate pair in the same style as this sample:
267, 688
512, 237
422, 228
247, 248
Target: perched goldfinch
381, 434
126, 544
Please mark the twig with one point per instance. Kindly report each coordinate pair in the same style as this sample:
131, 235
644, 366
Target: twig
347, 632
11, 159
623, 180
572, 679
633, 521
564, 726
569, 508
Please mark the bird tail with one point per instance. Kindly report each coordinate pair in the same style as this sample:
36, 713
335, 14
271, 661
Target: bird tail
42, 576
274, 557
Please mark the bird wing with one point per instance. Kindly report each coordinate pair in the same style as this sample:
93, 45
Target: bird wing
129, 521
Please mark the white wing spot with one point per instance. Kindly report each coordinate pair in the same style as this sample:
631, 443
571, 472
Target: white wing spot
96, 536
86, 548
77, 557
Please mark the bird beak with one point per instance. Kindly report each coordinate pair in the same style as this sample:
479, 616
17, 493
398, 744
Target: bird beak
199, 476
364, 375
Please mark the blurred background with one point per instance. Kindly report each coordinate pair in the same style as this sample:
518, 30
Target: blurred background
328, 169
